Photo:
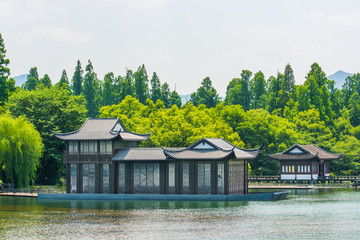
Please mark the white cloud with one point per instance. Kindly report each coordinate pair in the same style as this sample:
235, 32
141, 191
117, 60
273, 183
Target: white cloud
146, 4
61, 34
315, 16
7, 9
345, 18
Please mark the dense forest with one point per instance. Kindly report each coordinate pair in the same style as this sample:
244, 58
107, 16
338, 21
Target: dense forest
275, 113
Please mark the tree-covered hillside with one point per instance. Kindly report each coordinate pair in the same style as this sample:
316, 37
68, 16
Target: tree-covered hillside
274, 112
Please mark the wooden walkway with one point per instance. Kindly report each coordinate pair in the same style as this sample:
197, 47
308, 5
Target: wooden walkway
18, 194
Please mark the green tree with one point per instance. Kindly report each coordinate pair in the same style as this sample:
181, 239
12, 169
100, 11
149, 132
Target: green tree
233, 92
335, 98
205, 94
258, 127
64, 81
91, 91
259, 90
155, 92
303, 99
32, 80
289, 79
49, 110
175, 99
165, 94
274, 86
245, 94
46, 81
108, 94
4, 73
354, 108
347, 90
20, 150
128, 88
173, 126
141, 84
77, 79
319, 94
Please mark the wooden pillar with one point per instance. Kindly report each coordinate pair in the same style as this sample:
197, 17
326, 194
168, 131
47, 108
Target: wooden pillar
192, 177
115, 177
164, 179
98, 171
68, 178
213, 177
178, 173
129, 177
226, 177
80, 178
246, 175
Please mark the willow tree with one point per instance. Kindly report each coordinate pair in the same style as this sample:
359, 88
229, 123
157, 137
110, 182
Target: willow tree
20, 149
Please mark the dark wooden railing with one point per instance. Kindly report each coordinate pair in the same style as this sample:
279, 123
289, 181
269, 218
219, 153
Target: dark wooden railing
84, 158
333, 179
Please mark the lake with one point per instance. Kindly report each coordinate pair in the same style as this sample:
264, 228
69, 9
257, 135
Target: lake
306, 214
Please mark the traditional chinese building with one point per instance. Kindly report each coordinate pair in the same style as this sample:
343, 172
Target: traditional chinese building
305, 162
103, 157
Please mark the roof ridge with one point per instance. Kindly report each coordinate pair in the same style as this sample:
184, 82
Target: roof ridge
293, 146
73, 132
102, 118
139, 134
137, 148
325, 150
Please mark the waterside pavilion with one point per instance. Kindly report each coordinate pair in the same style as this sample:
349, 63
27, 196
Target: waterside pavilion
103, 157
304, 163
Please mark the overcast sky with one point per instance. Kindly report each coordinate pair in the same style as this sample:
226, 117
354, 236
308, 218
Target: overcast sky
182, 41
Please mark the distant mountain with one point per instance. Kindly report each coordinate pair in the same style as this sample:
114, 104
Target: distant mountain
339, 78
20, 80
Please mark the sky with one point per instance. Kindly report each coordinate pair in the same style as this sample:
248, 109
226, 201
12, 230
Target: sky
183, 41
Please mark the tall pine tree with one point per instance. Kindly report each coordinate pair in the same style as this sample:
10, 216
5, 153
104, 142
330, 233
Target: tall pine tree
77, 79
245, 94
64, 81
141, 84
91, 91
32, 79
289, 80
259, 90
4, 74
155, 91
107, 93
46, 81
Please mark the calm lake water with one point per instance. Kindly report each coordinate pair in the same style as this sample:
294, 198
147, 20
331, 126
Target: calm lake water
307, 214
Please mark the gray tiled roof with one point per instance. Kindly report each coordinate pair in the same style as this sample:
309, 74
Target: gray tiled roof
130, 136
309, 152
138, 154
101, 129
221, 143
246, 154
160, 154
222, 150
198, 154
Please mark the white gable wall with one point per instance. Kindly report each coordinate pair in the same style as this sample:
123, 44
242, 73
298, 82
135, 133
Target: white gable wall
296, 151
203, 145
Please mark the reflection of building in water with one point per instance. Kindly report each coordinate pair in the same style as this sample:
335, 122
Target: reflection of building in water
103, 157
305, 162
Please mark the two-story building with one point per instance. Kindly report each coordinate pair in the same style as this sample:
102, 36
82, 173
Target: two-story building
103, 157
